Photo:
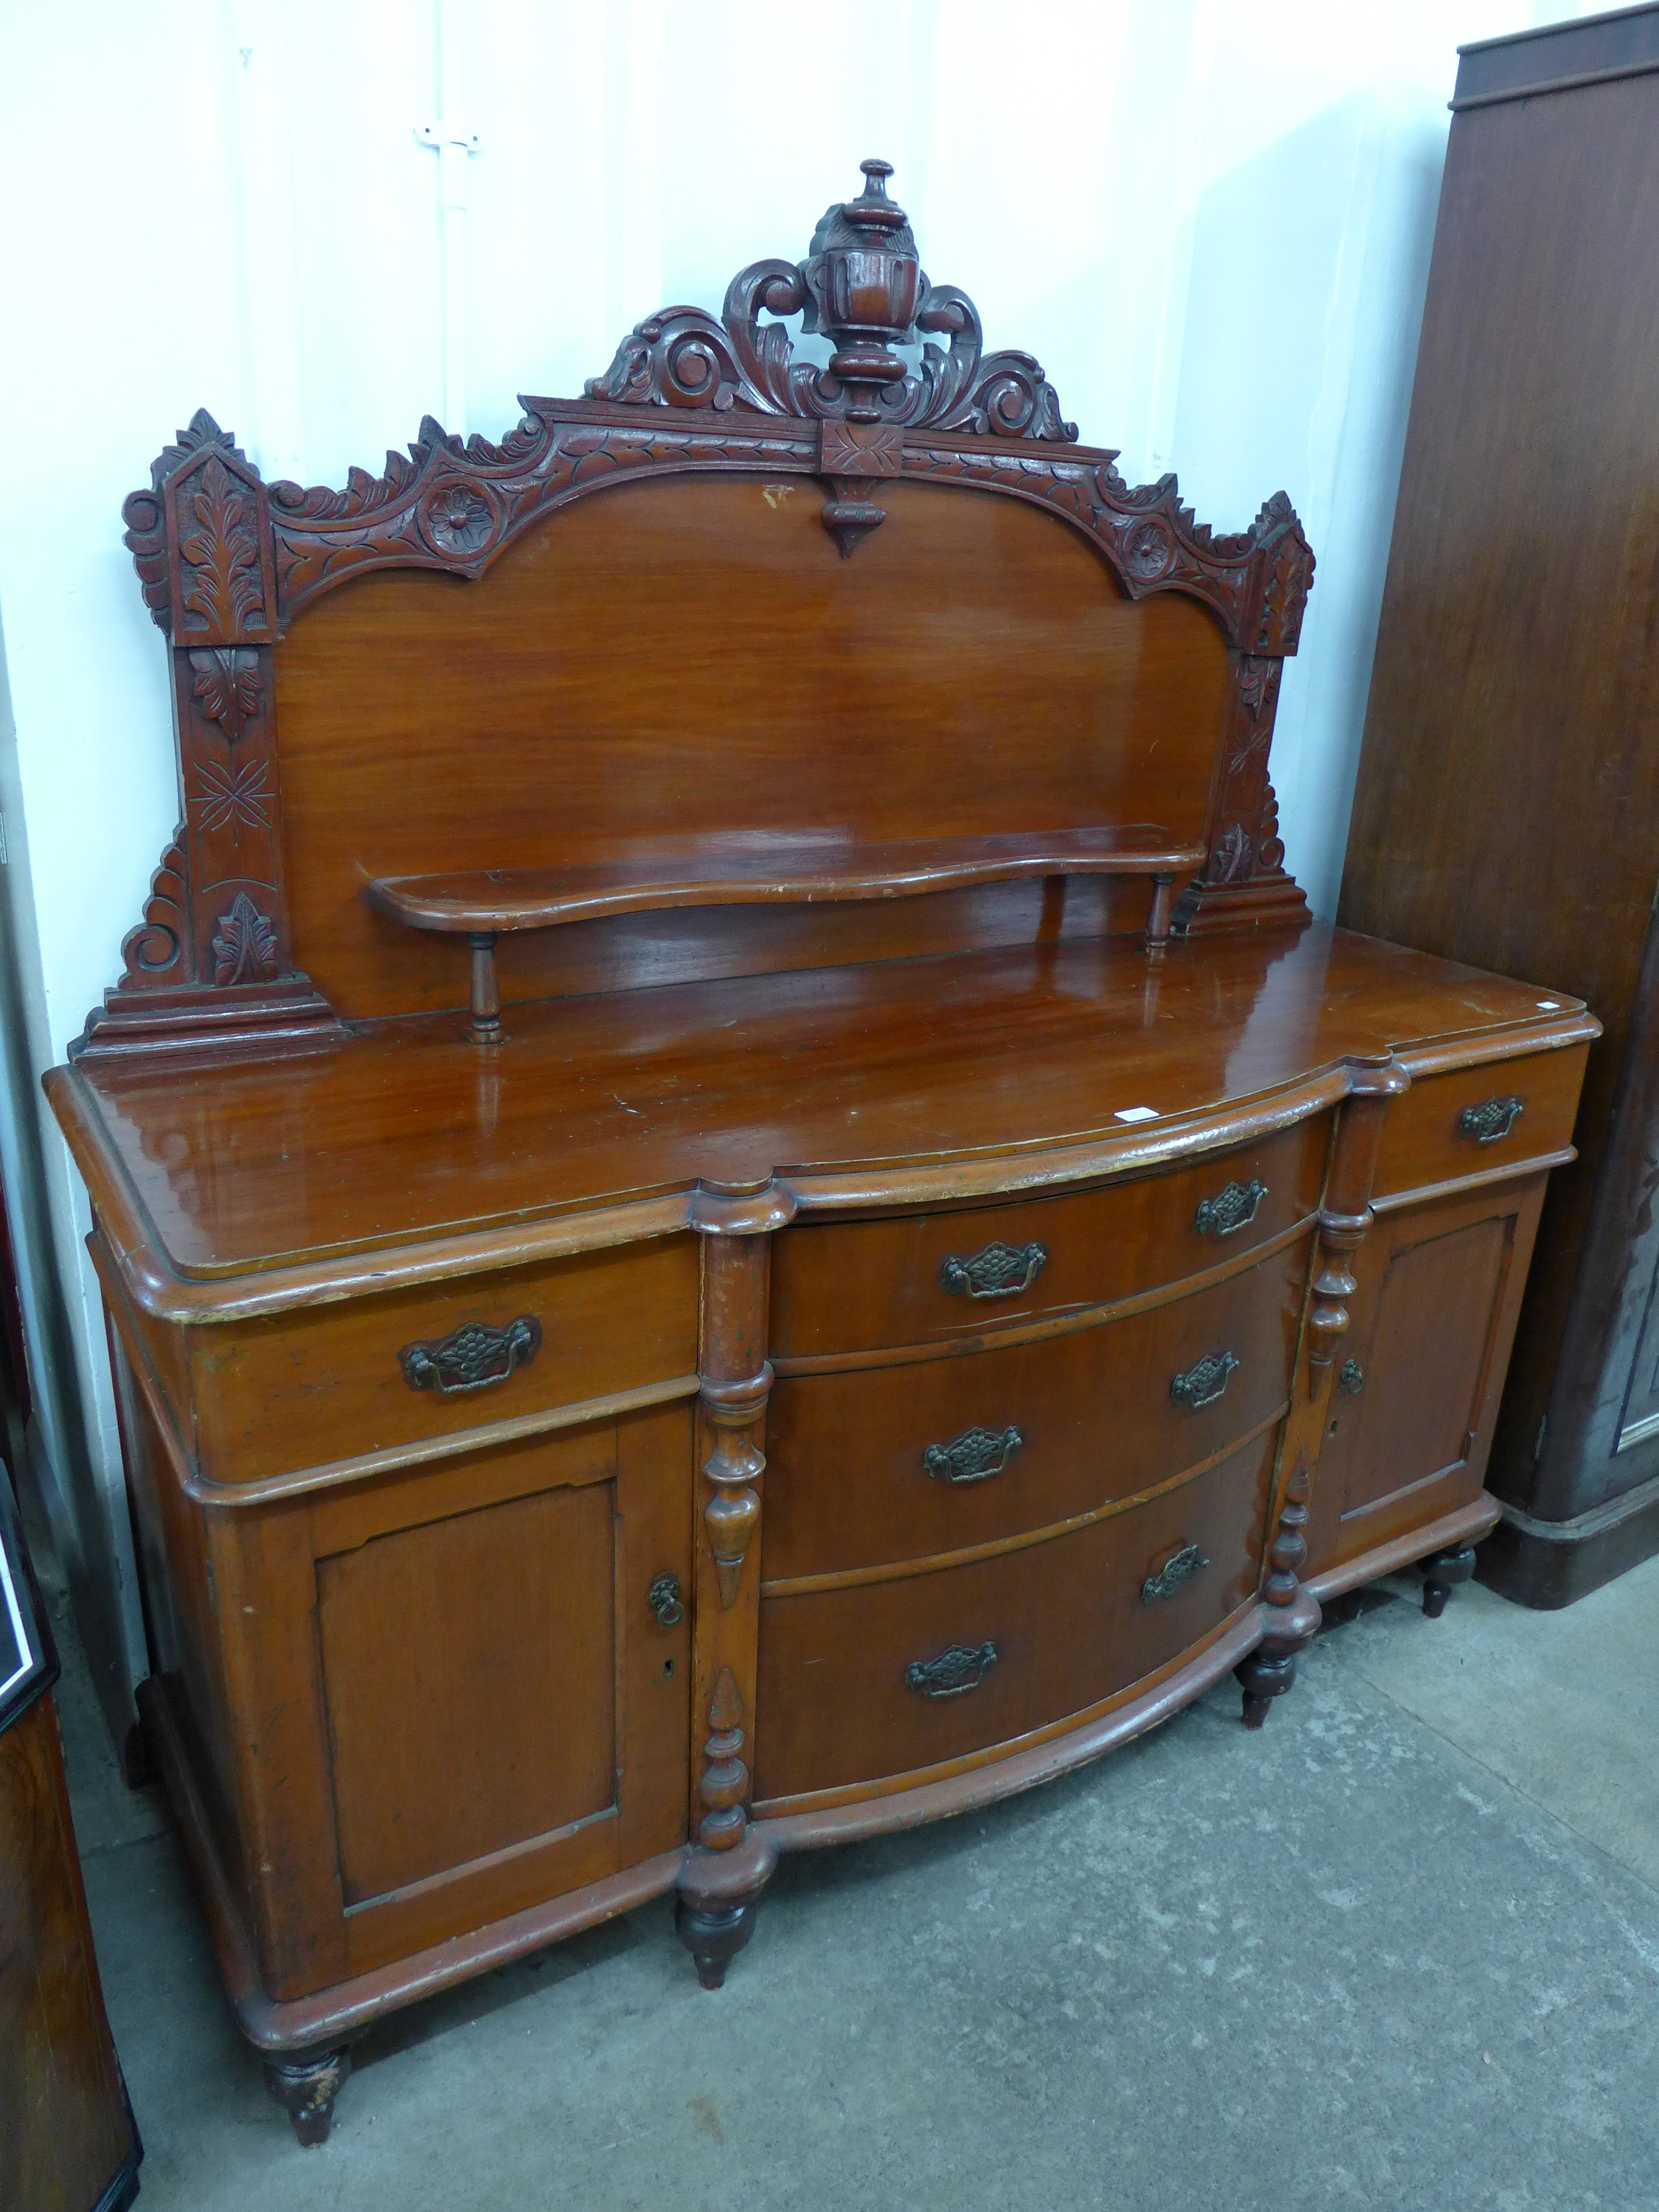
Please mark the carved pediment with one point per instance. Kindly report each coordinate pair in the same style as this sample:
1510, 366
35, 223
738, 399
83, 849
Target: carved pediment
862, 285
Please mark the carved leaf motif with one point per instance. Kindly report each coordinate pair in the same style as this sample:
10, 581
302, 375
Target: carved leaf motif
221, 553
245, 948
228, 685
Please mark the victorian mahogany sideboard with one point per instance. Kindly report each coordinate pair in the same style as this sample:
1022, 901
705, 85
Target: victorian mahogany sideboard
737, 1203
1517, 666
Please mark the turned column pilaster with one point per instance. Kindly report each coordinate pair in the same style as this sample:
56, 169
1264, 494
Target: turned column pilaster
729, 1863
1292, 1612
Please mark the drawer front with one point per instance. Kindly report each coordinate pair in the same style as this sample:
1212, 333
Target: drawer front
1446, 1127
888, 1464
916, 1279
887, 1678
333, 1382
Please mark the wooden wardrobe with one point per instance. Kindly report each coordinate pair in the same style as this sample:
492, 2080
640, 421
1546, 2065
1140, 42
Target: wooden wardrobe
1507, 811
735, 1198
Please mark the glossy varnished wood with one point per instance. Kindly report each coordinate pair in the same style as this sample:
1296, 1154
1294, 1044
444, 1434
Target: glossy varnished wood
848, 1483
865, 1286
408, 1132
1067, 1620
661, 633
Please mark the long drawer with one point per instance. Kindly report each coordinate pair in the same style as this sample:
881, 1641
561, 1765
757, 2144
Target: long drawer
322, 1385
920, 1278
893, 1677
891, 1463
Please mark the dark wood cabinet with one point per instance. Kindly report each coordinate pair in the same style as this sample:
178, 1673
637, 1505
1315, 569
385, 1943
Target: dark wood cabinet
729, 1194
1507, 811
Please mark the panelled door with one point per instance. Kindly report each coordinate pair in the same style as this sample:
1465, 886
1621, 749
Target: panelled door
1417, 1390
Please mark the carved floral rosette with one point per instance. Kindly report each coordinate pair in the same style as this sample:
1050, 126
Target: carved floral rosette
226, 562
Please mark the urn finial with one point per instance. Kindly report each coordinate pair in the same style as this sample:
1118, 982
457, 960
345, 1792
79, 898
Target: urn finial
864, 277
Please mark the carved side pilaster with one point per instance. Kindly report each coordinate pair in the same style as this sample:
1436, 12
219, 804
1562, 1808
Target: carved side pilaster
1245, 879
211, 959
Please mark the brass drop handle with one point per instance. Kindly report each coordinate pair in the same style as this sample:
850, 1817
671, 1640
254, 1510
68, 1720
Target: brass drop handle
1203, 1384
1230, 1209
1351, 1377
996, 1271
667, 1608
955, 1672
1179, 1568
974, 1456
1492, 1119
470, 1357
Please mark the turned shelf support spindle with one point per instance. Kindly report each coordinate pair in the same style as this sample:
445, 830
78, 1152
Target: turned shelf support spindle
485, 1004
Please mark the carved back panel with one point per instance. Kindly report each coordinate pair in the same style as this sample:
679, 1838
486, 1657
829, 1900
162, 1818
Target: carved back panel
886, 599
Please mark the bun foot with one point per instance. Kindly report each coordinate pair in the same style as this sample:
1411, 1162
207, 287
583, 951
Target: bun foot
1442, 1572
713, 1939
719, 1897
306, 2089
1264, 1676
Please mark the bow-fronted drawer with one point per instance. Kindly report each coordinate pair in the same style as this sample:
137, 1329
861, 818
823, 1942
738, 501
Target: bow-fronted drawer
917, 1278
909, 1674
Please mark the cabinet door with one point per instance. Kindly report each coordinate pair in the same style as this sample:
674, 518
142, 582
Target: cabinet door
1421, 1369
495, 1716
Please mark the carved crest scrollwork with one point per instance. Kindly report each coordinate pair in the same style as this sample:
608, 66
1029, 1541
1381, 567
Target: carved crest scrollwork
862, 284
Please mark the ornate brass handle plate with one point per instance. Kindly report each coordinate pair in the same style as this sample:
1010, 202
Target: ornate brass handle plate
470, 1357
664, 1598
1203, 1384
1351, 1377
1230, 1210
974, 1456
954, 1673
1492, 1119
996, 1271
1178, 1569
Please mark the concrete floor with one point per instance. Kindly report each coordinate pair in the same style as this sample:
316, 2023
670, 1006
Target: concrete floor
1400, 1950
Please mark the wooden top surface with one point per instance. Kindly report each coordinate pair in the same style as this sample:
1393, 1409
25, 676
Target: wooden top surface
743, 868
600, 1117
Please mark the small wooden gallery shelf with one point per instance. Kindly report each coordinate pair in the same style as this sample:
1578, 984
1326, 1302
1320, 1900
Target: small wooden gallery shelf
739, 870
580, 1470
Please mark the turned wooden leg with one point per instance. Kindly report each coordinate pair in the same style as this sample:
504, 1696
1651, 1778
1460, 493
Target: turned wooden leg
719, 1894
1293, 1611
1442, 1572
306, 2089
